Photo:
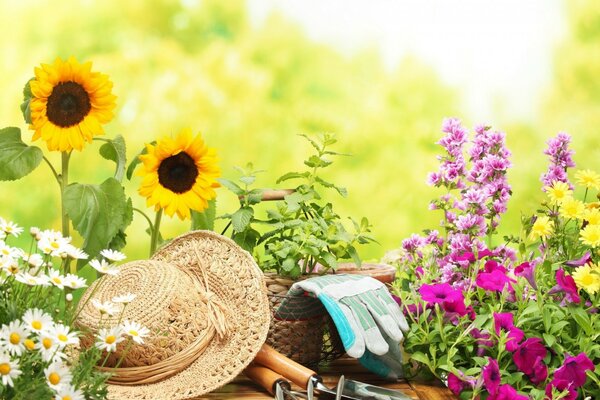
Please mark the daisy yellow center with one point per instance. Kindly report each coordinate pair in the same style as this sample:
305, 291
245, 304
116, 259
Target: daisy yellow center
587, 280
13, 269
47, 343
56, 280
4, 369
30, 344
178, 173
62, 338
5, 252
54, 378
68, 104
14, 338
110, 339
55, 245
67, 397
36, 325
133, 332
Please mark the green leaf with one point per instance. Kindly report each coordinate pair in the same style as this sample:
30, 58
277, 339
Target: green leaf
328, 260
26, 105
312, 142
420, 357
549, 339
241, 218
232, 186
292, 175
115, 150
247, 239
205, 220
136, 160
255, 196
355, 257
98, 212
17, 159
248, 180
316, 161
289, 264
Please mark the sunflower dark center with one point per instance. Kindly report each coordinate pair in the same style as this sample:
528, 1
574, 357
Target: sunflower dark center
178, 173
68, 104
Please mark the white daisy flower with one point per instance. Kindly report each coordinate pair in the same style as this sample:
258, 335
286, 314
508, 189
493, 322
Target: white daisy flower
63, 336
74, 252
57, 374
68, 392
124, 298
104, 267
69, 297
109, 338
9, 369
8, 251
2, 235
35, 231
36, 320
113, 255
106, 307
52, 244
136, 331
10, 228
56, 278
32, 280
10, 266
34, 260
12, 337
49, 348
74, 282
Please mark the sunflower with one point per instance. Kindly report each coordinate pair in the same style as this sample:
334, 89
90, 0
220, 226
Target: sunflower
69, 104
179, 174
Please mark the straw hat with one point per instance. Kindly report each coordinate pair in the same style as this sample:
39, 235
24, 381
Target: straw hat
203, 299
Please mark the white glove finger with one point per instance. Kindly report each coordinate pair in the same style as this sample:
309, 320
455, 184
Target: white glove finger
374, 341
381, 314
393, 309
356, 349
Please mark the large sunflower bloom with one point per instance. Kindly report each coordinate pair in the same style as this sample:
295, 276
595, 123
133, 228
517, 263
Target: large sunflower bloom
179, 174
69, 104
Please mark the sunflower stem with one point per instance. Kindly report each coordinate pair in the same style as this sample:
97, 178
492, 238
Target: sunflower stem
64, 181
53, 170
155, 232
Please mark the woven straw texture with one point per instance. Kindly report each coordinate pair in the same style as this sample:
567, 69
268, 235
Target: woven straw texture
177, 294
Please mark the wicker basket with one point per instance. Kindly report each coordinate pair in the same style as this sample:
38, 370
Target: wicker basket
310, 337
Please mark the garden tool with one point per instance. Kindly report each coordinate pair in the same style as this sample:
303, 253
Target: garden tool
306, 378
276, 384
369, 321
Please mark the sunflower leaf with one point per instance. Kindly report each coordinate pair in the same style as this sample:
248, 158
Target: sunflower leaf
115, 150
17, 159
241, 218
206, 219
98, 213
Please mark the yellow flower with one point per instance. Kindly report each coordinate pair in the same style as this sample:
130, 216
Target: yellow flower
588, 178
542, 227
571, 208
69, 104
179, 174
558, 192
587, 278
590, 235
592, 216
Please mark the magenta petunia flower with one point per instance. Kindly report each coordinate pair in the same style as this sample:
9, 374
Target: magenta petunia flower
455, 306
507, 392
540, 371
566, 284
527, 353
579, 262
457, 385
491, 376
527, 270
439, 293
561, 386
573, 370
494, 281
504, 322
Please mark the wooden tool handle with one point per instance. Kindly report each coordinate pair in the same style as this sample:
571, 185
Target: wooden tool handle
271, 358
274, 194
266, 378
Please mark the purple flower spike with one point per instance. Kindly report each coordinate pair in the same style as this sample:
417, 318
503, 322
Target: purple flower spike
560, 159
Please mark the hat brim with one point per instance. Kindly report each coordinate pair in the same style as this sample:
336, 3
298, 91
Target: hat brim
237, 281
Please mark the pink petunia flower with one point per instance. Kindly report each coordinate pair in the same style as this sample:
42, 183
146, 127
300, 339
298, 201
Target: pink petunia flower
507, 392
561, 386
504, 321
491, 376
439, 293
540, 371
527, 353
566, 284
494, 281
579, 262
527, 271
573, 370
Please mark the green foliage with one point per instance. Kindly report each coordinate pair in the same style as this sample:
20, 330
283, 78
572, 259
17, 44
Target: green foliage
300, 231
17, 159
99, 212
115, 150
206, 219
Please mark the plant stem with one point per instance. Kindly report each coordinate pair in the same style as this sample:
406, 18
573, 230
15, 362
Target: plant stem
155, 232
53, 170
143, 214
64, 181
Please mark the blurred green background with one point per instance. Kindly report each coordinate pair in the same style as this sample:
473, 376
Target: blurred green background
251, 88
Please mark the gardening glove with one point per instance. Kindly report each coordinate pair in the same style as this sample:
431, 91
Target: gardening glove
368, 320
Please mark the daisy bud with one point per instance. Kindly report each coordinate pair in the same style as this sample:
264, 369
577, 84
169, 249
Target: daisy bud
69, 297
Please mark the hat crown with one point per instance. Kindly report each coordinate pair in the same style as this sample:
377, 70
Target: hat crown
167, 302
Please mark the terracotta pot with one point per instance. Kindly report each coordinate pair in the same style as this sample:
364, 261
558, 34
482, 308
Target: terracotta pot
382, 272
